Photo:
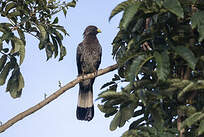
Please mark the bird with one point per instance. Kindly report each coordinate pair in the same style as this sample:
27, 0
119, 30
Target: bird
88, 59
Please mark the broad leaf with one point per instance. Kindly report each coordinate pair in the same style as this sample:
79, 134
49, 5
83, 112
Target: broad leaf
129, 14
163, 65
15, 83
197, 20
9, 7
116, 121
63, 52
3, 60
55, 20
107, 84
136, 66
192, 120
201, 128
187, 55
174, 6
4, 73
120, 7
48, 50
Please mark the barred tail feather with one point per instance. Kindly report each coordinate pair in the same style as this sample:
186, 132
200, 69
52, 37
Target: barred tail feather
85, 107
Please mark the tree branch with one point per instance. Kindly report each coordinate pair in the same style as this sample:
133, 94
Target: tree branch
52, 97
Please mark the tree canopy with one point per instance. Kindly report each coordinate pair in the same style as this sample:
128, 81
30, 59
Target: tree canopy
164, 81
34, 17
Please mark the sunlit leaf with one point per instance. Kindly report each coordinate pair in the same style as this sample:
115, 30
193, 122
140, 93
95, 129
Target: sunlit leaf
201, 128
193, 119
4, 73
116, 121
3, 60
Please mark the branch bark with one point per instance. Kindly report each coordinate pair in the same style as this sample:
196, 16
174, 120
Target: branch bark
52, 97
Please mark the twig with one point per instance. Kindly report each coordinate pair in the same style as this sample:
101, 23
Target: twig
52, 97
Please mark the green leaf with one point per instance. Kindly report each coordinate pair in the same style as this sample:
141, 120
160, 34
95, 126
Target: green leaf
201, 128
61, 28
49, 51
201, 33
120, 7
15, 83
197, 19
163, 65
136, 66
55, 45
193, 119
112, 94
116, 121
9, 7
5, 50
1, 44
55, 20
22, 52
134, 124
116, 77
43, 33
72, 4
107, 84
3, 61
19, 47
126, 113
43, 36
108, 110
64, 11
174, 6
21, 34
128, 15
63, 52
14, 14
159, 3
187, 55
185, 90
4, 73
21, 82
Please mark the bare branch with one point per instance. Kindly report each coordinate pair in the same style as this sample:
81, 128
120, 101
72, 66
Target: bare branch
52, 97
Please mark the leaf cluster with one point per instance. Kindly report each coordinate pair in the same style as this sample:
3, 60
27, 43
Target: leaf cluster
159, 50
34, 17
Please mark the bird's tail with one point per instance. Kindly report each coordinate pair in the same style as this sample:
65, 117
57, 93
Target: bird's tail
85, 107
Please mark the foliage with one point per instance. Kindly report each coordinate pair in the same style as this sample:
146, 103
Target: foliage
34, 17
164, 82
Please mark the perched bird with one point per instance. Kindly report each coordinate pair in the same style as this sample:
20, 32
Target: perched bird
88, 60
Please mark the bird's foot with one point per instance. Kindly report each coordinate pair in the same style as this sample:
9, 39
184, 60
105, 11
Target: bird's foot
96, 73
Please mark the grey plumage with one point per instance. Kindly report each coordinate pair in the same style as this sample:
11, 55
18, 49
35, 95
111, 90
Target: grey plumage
88, 60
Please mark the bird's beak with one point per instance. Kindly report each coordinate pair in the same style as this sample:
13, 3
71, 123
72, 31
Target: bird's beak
98, 30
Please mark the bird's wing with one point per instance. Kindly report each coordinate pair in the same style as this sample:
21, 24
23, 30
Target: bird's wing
78, 58
99, 60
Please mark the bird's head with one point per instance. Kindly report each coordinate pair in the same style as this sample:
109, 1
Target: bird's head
91, 30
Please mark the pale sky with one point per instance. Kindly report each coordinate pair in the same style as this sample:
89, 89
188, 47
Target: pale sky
57, 119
